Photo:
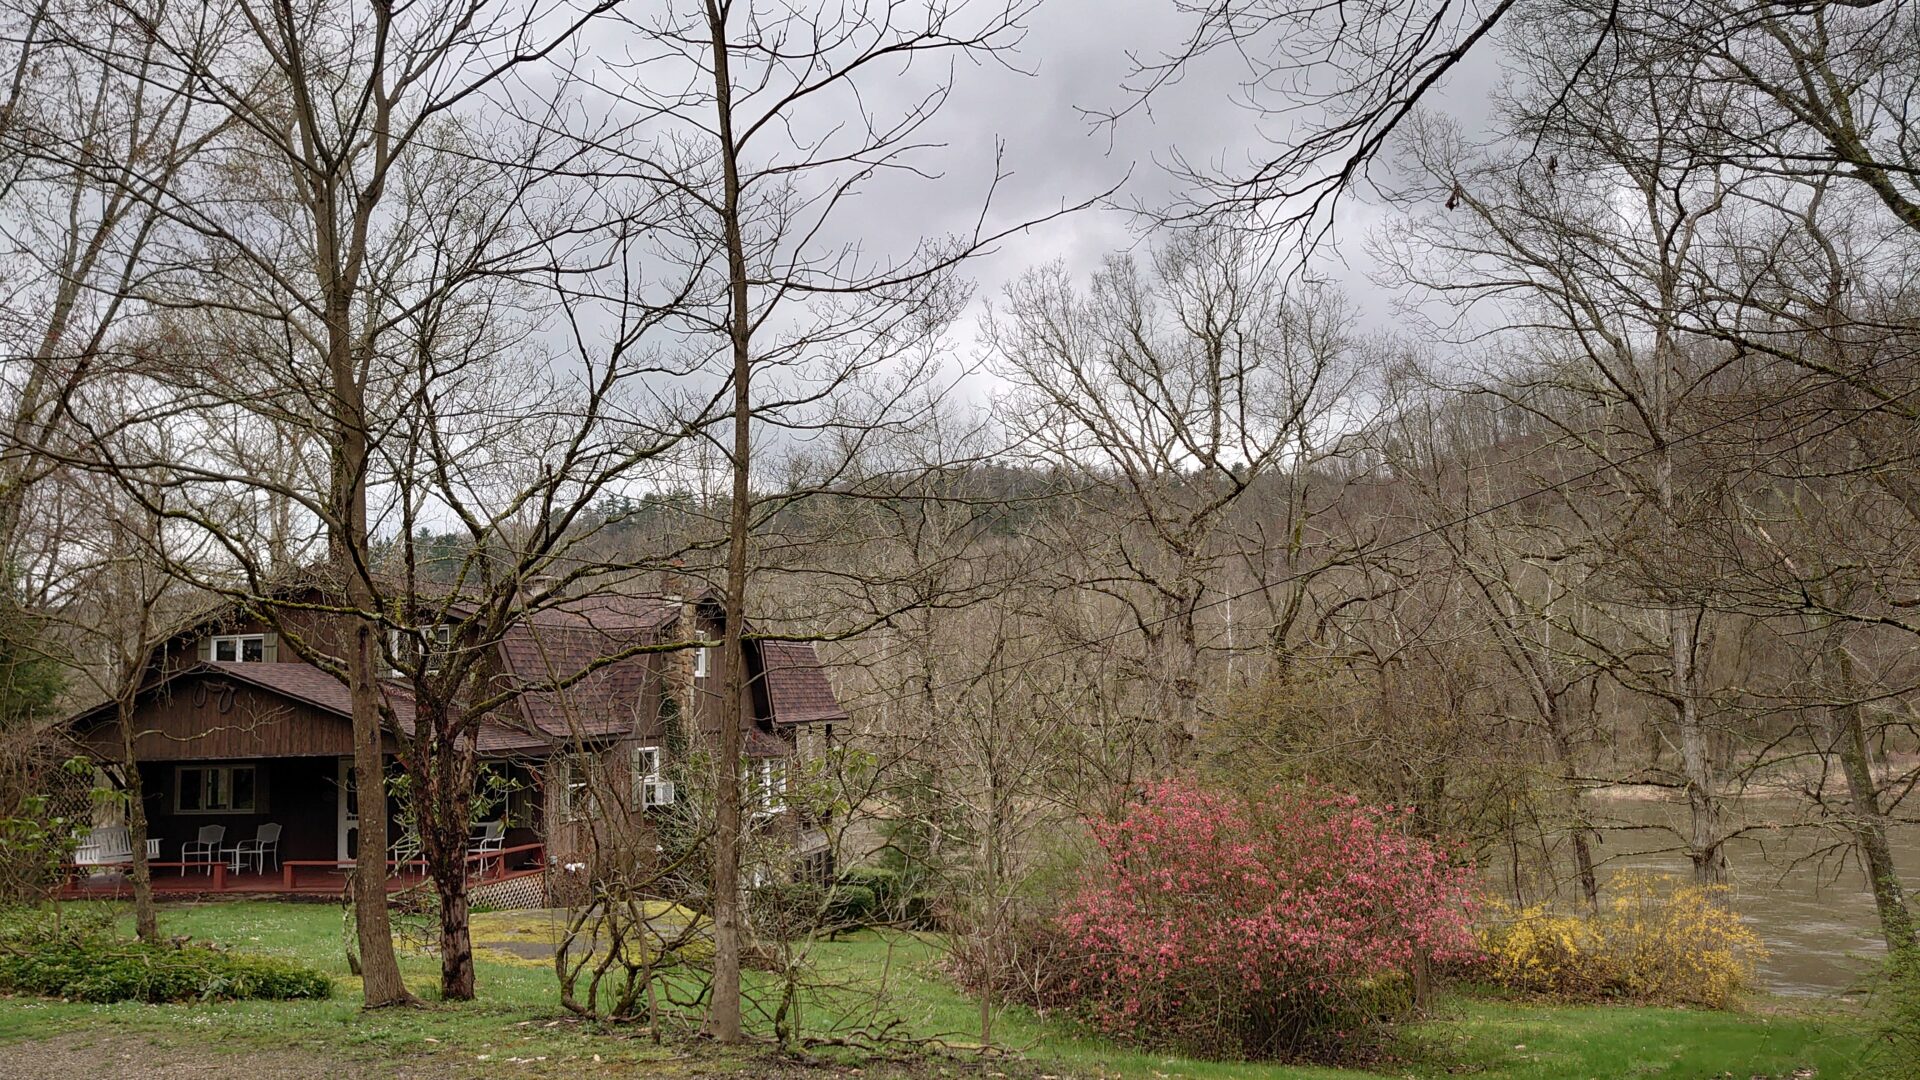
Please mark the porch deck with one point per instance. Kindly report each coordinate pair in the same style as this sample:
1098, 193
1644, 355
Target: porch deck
303, 877
171, 883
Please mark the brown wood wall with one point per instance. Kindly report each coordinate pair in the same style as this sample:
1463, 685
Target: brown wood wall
321, 630
218, 719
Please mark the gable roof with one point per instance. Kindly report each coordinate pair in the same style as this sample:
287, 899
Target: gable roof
612, 699
306, 683
797, 687
555, 643
313, 687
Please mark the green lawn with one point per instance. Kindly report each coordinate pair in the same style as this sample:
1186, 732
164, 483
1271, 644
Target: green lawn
517, 1028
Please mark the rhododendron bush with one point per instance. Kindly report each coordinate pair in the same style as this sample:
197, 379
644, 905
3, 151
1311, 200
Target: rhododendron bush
1283, 926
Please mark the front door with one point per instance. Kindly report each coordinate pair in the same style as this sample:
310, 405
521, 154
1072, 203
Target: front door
349, 812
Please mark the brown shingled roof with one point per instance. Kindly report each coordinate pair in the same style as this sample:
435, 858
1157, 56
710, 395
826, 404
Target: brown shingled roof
797, 687
610, 613
556, 643
610, 701
311, 686
759, 744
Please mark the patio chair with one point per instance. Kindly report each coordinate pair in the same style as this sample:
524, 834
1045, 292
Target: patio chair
487, 841
404, 848
265, 842
203, 849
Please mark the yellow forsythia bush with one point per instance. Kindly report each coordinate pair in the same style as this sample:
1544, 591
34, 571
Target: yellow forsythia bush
1653, 941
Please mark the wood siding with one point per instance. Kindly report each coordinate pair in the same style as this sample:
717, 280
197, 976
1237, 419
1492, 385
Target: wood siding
319, 629
219, 719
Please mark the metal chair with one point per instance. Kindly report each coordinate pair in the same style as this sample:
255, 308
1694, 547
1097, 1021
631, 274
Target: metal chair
404, 848
204, 849
488, 841
265, 842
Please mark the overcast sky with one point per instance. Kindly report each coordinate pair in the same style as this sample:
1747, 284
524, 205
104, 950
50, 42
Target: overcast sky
1077, 51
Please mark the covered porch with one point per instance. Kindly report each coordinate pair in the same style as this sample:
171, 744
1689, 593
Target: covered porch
309, 877
246, 777
283, 825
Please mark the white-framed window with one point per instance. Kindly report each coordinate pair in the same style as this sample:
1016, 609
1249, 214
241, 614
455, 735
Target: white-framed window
239, 648
649, 789
406, 647
702, 662
768, 785
216, 789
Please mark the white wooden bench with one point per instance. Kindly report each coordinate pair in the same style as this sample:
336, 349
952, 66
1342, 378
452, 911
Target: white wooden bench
111, 845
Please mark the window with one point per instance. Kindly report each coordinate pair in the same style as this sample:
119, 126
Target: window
240, 648
216, 789
503, 792
406, 647
769, 780
702, 662
648, 788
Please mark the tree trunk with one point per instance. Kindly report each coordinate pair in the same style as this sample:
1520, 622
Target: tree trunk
146, 922
1582, 827
380, 979
456, 943
1703, 804
379, 968
724, 1022
443, 798
1847, 735
987, 974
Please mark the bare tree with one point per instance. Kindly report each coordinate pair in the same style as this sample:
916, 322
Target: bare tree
330, 114
76, 232
1176, 395
762, 150
121, 599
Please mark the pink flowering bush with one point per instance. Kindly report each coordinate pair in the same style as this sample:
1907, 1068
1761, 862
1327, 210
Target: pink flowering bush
1288, 926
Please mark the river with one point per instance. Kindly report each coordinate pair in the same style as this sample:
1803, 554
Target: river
1815, 916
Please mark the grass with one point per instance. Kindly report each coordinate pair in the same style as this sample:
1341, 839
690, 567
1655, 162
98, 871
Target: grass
517, 1028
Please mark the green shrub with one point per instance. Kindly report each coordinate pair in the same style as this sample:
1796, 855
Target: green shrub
794, 908
786, 909
896, 899
82, 962
850, 906
1896, 1036
886, 883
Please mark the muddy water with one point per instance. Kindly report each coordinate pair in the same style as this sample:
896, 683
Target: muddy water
1813, 911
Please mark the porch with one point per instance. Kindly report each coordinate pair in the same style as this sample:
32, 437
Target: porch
284, 826
296, 877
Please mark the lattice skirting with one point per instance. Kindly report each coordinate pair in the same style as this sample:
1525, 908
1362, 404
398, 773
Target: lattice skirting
528, 890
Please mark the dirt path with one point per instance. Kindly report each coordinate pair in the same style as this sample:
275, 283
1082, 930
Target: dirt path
109, 1054
118, 1055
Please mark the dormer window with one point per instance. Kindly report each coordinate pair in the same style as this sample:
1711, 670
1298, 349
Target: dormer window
240, 648
406, 648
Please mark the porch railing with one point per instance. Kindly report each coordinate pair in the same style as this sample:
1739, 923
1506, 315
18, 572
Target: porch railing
482, 860
490, 865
